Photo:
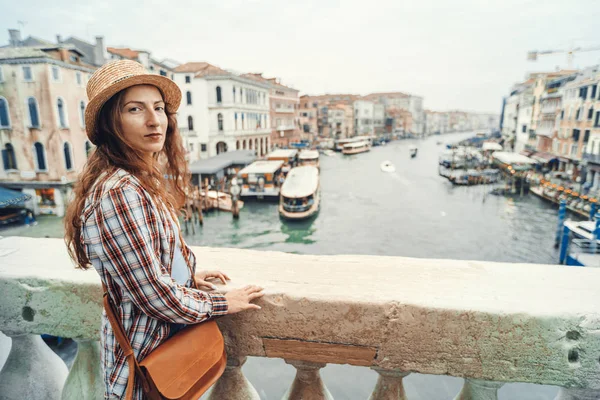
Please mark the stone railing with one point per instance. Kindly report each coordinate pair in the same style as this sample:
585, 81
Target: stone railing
489, 323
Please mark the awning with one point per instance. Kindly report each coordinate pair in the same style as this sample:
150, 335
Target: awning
213, 165
543, 157
11, 197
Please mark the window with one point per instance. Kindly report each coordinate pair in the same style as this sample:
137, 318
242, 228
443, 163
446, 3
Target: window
188, 96
1, 75
242, 121
219, 98
234, 94
592, 95
562, 114
576, 134
163, 72
591, 113
191, 146
62, 113
190, 123
74, 59
4, 115
574, 149
8, 157
220, 121
235, 118
583, 92
188, 79
524, 128
55, 74
40, 158
78, 78
88, 148
577, 114
68, 156
597, 121
586, 136
202, 147
27, 74
34, 116
241, 95
82, 114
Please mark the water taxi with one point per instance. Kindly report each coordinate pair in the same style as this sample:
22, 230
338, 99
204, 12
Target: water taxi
356, 147
300, 193
340, 143
387, 166
413, 151
261, 179
309, 157
288, 156
219, 201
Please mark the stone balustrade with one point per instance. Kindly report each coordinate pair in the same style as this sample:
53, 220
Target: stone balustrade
489, 323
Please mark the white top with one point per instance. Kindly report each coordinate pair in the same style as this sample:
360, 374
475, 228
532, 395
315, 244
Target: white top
301, 182
262, 167
282, 153
179, 269
309, 155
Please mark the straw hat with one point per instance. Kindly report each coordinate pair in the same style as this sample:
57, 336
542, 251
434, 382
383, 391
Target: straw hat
115, 76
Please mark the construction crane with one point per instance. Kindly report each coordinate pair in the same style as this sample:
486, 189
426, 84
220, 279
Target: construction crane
533, 55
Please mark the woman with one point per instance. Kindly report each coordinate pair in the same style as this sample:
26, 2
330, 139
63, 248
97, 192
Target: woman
123, 218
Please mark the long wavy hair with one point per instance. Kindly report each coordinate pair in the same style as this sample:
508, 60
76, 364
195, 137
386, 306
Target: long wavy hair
113, 152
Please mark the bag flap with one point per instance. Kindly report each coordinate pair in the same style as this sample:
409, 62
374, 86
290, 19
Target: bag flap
180, 362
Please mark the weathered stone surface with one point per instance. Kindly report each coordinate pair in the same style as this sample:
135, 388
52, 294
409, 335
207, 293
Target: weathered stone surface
480, 320
475, 389
233, 385
32, 371
307, 384
85, 380
389, 385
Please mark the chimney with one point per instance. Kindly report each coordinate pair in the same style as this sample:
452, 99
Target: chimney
64, 54
58, 39
14, 37
99, 51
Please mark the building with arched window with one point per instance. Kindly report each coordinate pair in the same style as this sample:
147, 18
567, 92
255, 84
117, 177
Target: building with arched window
226, 109
38, 158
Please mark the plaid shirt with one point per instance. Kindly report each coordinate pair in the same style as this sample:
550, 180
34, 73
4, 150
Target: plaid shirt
131, 242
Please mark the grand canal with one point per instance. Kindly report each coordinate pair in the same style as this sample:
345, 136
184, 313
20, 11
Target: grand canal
412, 212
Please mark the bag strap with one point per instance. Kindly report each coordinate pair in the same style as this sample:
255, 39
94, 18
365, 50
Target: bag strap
121, 337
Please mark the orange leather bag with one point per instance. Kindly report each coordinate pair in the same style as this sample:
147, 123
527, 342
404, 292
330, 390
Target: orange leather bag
184, 367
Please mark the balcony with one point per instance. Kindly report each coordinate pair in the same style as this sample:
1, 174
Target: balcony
489, 323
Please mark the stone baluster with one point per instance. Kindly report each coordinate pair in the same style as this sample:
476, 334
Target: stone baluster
307, 384
578, 394
389, 385
32, 371
233, 385
85, 380
476, 389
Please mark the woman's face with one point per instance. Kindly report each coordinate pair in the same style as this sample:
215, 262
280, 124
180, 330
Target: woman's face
143, 119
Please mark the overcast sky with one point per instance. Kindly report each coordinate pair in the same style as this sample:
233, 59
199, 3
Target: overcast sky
461, 54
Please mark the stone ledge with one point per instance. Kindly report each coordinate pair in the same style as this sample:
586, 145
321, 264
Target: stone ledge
481, 320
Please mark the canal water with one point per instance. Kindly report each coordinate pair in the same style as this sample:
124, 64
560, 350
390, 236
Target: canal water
412, 212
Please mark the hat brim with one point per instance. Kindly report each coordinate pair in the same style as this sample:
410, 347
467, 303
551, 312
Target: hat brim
169, 89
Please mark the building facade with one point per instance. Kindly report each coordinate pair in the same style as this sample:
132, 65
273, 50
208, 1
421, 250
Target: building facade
42, 127
222, 111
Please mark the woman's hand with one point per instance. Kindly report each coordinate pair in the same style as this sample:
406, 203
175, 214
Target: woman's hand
240, 299
203, 277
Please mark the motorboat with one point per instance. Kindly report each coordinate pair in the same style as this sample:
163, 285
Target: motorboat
387, 166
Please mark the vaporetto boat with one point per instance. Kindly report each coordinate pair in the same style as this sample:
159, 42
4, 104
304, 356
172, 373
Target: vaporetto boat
300, 194
356, 147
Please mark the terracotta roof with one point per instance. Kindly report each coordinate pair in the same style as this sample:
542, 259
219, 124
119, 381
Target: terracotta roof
386, 94
201, 69
124, 52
